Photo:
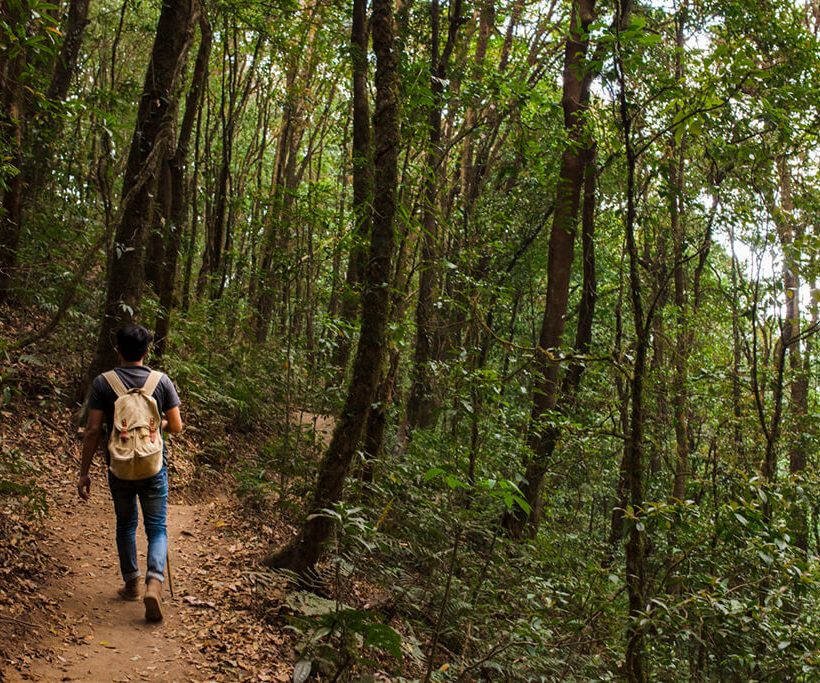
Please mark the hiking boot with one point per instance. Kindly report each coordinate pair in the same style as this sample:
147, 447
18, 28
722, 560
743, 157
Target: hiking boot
131, 590
153, 600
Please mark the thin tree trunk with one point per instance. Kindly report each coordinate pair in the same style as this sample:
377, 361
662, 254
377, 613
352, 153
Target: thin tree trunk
579, 74
635, 665
542, 437
175, 182
12, 130
790, 234
589, 286
50, 124
305, 551
362, 185
276, 240
680, 382
422, 402
190, 248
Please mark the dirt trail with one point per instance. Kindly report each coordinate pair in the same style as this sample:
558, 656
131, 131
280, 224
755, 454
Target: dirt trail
108, 639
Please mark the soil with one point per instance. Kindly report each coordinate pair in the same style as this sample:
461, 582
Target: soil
108, 638
60, 616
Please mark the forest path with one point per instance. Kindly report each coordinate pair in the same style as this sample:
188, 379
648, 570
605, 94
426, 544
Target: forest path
107, 639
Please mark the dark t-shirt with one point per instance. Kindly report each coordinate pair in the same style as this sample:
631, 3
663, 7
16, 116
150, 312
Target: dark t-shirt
103, 396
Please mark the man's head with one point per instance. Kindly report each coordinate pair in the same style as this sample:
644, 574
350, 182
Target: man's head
132, 342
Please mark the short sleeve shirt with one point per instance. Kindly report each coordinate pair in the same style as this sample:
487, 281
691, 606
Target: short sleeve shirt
103, 396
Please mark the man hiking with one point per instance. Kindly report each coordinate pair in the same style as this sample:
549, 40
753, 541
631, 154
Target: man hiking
145, 404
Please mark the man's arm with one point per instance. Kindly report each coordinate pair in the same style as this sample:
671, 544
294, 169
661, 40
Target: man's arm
91, 439
173, 421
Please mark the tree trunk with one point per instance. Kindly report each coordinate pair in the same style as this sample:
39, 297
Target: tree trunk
683, 341
11, 132
190, 247
276, 240
422, 402
542, 436
635, 665
305, 551
362, 185
31, 143
50, 124
153, 134
790, 234
175, 209
589, 286
218, 230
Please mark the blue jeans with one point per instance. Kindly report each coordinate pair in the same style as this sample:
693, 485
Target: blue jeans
153, 497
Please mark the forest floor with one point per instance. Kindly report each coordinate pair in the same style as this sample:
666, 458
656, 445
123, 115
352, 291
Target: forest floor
60, 617
67, 624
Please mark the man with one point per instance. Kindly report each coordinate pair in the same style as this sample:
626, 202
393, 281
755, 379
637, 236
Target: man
132, 347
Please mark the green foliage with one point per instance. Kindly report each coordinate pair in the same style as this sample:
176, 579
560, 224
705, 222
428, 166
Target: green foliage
730, 593
336, 636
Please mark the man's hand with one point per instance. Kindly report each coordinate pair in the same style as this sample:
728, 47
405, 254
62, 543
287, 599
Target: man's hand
84, 486
91, 439
173, 421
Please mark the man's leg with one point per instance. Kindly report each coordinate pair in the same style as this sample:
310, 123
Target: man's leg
154, 500
125, 507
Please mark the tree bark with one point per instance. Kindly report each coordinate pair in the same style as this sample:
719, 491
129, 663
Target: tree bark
303, 553
50, 123
635, 665
153, 134
174, 180
12, 131
362, 185
790, 234
276, 240
680, 400
589, 285
422, 401
542, 436
216, 258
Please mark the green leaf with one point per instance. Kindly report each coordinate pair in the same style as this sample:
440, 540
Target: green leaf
454, 482
521, 502
434, 473
383, 637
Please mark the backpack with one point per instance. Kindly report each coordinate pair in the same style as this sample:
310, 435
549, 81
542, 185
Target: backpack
135, 442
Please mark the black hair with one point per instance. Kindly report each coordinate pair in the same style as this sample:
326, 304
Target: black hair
133, 341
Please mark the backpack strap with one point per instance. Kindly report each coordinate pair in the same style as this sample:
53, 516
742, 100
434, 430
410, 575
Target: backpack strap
115, 383
152, 382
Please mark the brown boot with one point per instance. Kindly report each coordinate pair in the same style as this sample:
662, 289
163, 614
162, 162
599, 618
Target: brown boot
153, 600
131, 590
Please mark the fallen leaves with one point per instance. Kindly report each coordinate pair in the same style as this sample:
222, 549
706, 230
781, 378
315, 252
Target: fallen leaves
58, 575
197, 602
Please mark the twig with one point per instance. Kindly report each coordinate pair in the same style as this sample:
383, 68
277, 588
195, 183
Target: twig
497, 649
444, 601
14, 620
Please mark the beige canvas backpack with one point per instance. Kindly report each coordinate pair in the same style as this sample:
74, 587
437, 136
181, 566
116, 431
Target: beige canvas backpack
135, 442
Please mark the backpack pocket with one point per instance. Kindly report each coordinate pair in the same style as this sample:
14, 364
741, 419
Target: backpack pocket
136, 454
